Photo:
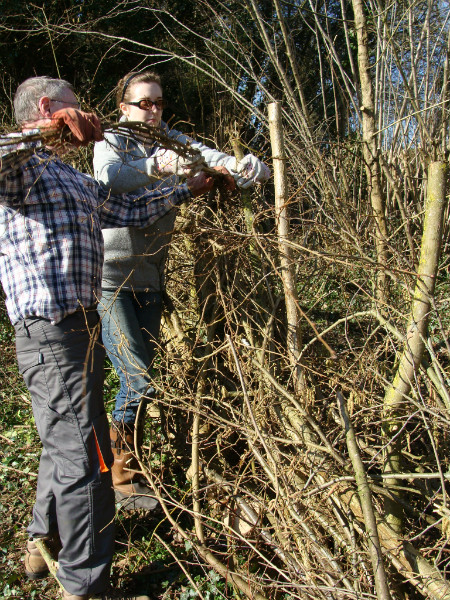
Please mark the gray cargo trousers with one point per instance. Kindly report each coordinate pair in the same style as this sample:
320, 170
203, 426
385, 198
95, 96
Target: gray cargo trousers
62, 366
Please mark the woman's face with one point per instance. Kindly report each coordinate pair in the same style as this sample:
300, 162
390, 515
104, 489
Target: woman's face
150, 114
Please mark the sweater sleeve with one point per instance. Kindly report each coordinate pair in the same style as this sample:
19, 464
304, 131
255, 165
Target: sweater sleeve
116, 168
213, 157
122, 170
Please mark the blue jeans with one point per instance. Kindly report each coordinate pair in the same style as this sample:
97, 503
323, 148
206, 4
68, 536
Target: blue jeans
130, 331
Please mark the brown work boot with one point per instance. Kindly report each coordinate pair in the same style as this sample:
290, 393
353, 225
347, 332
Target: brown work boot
35, 565
130, 488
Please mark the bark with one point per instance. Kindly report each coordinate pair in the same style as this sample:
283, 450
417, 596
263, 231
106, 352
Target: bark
246, 195
416, 335
195, 464
370, 149
286, 257
52, 564
293, 60
365, 497
445, 97
404, 557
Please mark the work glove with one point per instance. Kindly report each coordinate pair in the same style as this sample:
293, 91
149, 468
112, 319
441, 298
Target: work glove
169, 162
250, 170
84, 127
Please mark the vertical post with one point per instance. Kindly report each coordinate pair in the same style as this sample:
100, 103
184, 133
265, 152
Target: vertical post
283, 228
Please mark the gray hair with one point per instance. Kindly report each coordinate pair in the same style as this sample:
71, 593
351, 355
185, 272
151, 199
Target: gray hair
28, 94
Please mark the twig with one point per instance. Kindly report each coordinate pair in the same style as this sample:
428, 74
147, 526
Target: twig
180, 564
52, 564
141, 132
8, 468
365, 497
195, 464
252, 518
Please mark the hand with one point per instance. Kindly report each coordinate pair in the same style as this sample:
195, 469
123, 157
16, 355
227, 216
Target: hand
251, 170
203, 182
84, 127
227, 179
170, 163
200, 184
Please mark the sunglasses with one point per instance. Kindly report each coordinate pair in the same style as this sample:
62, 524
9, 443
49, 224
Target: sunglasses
147, 104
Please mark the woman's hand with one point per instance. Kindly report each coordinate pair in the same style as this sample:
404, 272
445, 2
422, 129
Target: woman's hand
251, 170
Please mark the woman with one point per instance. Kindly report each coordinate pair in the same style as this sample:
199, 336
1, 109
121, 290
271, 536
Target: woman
133, 273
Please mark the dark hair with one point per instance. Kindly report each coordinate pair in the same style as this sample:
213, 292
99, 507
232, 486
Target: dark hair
126, 84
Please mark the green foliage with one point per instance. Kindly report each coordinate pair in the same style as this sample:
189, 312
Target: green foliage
210, 585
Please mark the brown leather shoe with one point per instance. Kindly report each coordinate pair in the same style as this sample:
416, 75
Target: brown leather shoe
130, 488
35, 565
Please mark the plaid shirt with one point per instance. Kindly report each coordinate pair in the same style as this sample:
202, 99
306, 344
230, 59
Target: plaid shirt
51, 244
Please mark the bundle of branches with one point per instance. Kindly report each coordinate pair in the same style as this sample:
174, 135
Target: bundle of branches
17, 148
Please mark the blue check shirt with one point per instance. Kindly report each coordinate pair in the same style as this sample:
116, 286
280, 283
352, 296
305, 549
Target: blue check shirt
51, 243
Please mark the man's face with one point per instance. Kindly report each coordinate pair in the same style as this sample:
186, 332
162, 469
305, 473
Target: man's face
47, 107
64, 99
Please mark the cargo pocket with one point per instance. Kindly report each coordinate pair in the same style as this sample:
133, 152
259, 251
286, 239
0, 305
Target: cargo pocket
30, 363
68, 451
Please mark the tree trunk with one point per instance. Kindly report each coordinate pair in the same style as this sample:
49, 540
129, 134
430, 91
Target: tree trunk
370, 150
416, 333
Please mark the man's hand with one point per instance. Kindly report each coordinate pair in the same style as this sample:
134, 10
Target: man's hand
84, 127
203, 182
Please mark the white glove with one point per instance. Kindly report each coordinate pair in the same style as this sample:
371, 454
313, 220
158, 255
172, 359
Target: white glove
250, 170
230, 164
169, 162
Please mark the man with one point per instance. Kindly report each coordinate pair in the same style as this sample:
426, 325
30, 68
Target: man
51, 257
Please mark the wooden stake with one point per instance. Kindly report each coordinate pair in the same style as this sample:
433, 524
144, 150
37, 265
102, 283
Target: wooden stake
283, 226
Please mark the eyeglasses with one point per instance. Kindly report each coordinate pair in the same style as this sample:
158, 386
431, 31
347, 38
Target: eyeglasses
147, 104
75, 104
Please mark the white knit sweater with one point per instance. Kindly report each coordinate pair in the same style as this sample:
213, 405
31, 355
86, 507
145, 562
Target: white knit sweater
135, 258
